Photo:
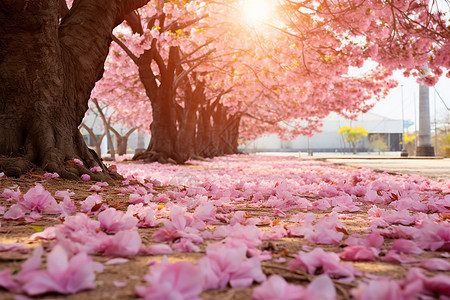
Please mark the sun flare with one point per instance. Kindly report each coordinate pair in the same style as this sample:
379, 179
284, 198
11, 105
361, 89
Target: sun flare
258, 11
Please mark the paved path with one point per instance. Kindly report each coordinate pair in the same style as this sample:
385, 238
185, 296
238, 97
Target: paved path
436, 168
429, 166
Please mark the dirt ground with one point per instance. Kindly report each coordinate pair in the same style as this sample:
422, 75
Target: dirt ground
132, 271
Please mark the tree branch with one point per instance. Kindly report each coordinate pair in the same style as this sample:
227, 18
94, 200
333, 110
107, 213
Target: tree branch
126, 49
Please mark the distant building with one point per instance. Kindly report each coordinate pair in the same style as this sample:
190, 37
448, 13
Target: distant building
329, 140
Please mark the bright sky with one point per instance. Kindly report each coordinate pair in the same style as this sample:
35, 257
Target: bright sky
391, 107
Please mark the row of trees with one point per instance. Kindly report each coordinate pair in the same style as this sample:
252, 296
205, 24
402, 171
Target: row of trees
197, 73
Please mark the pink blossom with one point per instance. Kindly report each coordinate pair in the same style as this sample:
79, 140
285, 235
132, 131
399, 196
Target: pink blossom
68, 206
7, 281
33, 217
406, 246
435, 264
276, 288
247, 235
327, 262
225, 264
439, 284
113, 220
15, 212
95, 188
382, 289
10, 194
358, 253
320, 288
145, 215
77, 162
123, 243
157, 249
85, 177
395, 257
185, 245
51, 175
78, 233
117, 261
13, 247
95, 169
90, 202
180, 280
206, 212
37, 198
434, 236
62, 275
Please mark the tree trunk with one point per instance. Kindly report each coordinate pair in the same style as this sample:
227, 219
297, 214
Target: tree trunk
160, 91
122, 140
107, 125
186, 146
47, 71
205, 143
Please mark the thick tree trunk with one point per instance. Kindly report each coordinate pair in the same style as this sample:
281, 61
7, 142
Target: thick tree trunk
186, 145
205, 144
47, 71
160, 91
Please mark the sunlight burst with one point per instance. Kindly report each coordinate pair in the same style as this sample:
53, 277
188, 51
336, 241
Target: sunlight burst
258, 11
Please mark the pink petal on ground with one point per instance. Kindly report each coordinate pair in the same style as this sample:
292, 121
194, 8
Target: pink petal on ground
33, 262
276, 288
321, 288
117, 261
328, 262
124, 243
113, 220
185, 245
435, 264
13, 247
406, 246
395, 257
358, 253
180, 280
85, 177
7, 281
15, 212
38, 198
228, 263
158, 249
380, 289
436, 285
62, 276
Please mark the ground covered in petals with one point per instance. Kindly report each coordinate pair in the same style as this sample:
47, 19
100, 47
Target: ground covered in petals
236, 227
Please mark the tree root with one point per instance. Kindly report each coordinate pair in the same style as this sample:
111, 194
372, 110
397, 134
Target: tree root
161, 157
16, 166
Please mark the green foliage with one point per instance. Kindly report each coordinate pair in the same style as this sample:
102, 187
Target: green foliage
379, 144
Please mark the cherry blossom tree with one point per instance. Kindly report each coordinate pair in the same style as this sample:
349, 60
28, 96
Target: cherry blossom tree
281, 75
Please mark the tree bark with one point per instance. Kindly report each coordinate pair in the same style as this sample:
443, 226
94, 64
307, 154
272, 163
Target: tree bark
47, 71
161, 93
186, 146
